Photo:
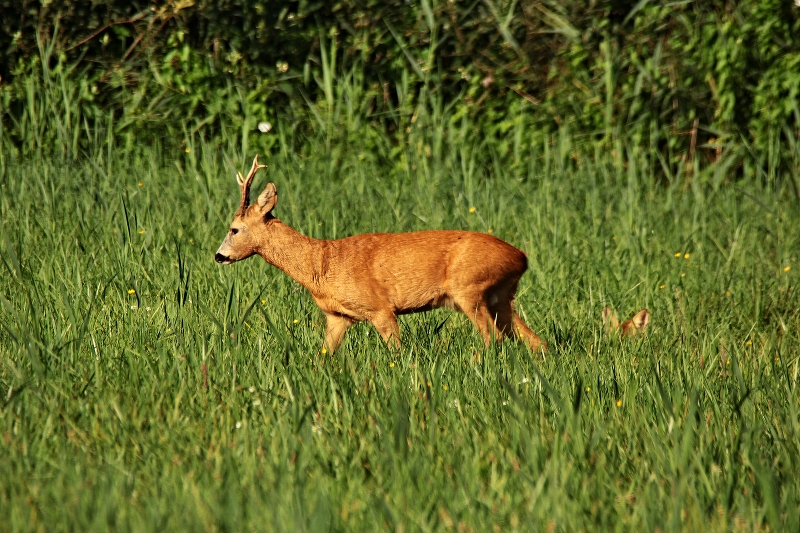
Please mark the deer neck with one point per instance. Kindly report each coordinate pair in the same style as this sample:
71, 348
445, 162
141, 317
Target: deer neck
297, 255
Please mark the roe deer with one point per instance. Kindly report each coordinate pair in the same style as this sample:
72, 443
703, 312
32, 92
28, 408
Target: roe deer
636, 325
378, 276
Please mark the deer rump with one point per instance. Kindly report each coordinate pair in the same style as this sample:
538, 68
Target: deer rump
419, 271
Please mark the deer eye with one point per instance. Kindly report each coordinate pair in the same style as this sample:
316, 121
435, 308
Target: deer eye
234, 231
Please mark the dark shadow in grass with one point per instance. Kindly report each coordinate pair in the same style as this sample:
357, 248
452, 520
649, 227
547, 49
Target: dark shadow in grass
13, 393
564, 339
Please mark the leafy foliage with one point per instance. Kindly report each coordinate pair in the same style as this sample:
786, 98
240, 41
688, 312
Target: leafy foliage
696, 72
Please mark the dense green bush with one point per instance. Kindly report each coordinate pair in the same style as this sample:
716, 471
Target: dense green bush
668, 77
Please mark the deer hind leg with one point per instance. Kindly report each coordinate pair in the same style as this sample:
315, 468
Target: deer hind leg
336, 328
527, 336
478, 312
508, 321
386, 324
502, 315
501, 312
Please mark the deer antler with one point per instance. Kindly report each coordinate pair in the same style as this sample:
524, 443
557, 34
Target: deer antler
244, 185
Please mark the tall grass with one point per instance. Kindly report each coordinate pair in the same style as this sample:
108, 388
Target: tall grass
147, 388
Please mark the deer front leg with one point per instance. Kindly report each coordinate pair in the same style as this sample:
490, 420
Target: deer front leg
386, 324
336, 328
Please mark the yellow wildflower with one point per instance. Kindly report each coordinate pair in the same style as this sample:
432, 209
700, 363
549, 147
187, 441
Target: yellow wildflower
619, 403
678, 254
324, 351
188, 150
140, 184
471, 209
391, 365
131, 291
295, 321
787, 268
686, 256
490, 230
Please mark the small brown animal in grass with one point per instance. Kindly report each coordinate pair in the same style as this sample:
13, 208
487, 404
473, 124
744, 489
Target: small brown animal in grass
378, 276
636, 325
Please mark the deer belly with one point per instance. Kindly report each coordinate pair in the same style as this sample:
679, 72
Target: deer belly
433, 303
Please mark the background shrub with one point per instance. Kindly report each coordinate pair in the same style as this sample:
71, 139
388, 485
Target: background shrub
690, 81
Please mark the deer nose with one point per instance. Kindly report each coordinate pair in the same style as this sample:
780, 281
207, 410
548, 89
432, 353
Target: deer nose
219, 258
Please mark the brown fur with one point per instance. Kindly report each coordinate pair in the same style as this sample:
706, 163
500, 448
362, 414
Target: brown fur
377, 276
636, 325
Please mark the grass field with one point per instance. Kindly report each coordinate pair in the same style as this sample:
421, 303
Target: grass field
146, 388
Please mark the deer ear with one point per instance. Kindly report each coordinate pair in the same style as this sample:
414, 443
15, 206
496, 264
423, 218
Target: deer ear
641, 319
268, 199
610, 320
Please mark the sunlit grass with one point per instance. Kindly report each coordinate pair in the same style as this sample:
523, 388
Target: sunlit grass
147, 388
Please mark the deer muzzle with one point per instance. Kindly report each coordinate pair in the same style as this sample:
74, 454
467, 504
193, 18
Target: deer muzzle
223, 259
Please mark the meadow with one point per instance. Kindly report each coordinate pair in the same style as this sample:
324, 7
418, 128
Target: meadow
146, 388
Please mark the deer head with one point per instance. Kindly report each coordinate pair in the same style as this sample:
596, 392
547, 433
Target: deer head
242, 238
636, 325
